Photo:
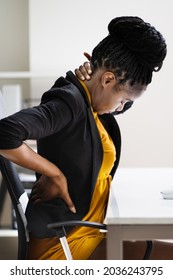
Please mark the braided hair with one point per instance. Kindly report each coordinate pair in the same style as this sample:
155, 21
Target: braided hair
133, 50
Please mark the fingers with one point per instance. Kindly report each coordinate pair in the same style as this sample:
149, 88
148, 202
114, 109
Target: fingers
79, 74
82, 74
39, 194
66, 197
87, 55
35, 196
36, 199
84, 71
86, 68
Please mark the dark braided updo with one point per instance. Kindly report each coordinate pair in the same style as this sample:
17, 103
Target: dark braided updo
132, 50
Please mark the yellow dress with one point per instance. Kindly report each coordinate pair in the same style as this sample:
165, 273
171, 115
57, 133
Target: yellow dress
83, 240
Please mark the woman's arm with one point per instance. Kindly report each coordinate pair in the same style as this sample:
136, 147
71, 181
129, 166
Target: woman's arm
51, 184
35, 123
29, 159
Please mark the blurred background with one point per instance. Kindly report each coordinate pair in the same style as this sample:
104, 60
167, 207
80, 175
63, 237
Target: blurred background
41, 40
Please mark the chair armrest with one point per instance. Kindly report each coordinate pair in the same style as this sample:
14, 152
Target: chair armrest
59, 226
76, 223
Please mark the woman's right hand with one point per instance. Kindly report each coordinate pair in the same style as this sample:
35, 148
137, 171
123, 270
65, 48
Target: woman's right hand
51, 184
84, 71
48, 188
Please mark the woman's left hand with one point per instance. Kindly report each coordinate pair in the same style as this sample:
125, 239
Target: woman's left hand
84, 71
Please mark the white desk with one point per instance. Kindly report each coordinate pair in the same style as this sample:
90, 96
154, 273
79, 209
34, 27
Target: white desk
136, 209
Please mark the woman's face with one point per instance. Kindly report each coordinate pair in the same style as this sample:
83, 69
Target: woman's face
107, 96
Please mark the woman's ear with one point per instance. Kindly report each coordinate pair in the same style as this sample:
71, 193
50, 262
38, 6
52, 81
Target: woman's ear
108, 79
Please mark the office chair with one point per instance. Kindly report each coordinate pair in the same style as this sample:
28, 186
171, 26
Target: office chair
3, 192
19, 200
61, 233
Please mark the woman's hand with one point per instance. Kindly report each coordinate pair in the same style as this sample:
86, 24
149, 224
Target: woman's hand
51, 184
84, 71
48, 188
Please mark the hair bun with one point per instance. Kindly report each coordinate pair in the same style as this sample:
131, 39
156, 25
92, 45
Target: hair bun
140, 38
120, 27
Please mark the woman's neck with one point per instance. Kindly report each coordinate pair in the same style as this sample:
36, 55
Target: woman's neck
95, 79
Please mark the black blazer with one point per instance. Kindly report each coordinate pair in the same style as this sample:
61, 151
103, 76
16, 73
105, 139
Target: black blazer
76, 149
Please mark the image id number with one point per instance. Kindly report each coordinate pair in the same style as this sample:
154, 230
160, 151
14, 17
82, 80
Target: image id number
138, 270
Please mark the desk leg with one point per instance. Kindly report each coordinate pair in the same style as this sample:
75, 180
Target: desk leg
114, 242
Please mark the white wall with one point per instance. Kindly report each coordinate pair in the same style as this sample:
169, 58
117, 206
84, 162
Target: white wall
60, 30
14, 35
14, 44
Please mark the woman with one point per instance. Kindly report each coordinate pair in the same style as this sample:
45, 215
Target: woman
78, 139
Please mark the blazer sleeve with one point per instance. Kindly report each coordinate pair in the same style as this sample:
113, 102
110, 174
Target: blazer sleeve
35, 123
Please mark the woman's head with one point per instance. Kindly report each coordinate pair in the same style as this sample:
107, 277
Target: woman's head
131, 52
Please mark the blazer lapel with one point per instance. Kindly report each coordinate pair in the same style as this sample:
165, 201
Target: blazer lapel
97, 149
96, 141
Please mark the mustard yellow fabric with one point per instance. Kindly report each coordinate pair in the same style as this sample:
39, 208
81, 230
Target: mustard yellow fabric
83, 240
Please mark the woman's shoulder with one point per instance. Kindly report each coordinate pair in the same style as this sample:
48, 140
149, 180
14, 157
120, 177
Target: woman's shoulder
66, 92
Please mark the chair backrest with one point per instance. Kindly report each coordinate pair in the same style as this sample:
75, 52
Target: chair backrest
19, 200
